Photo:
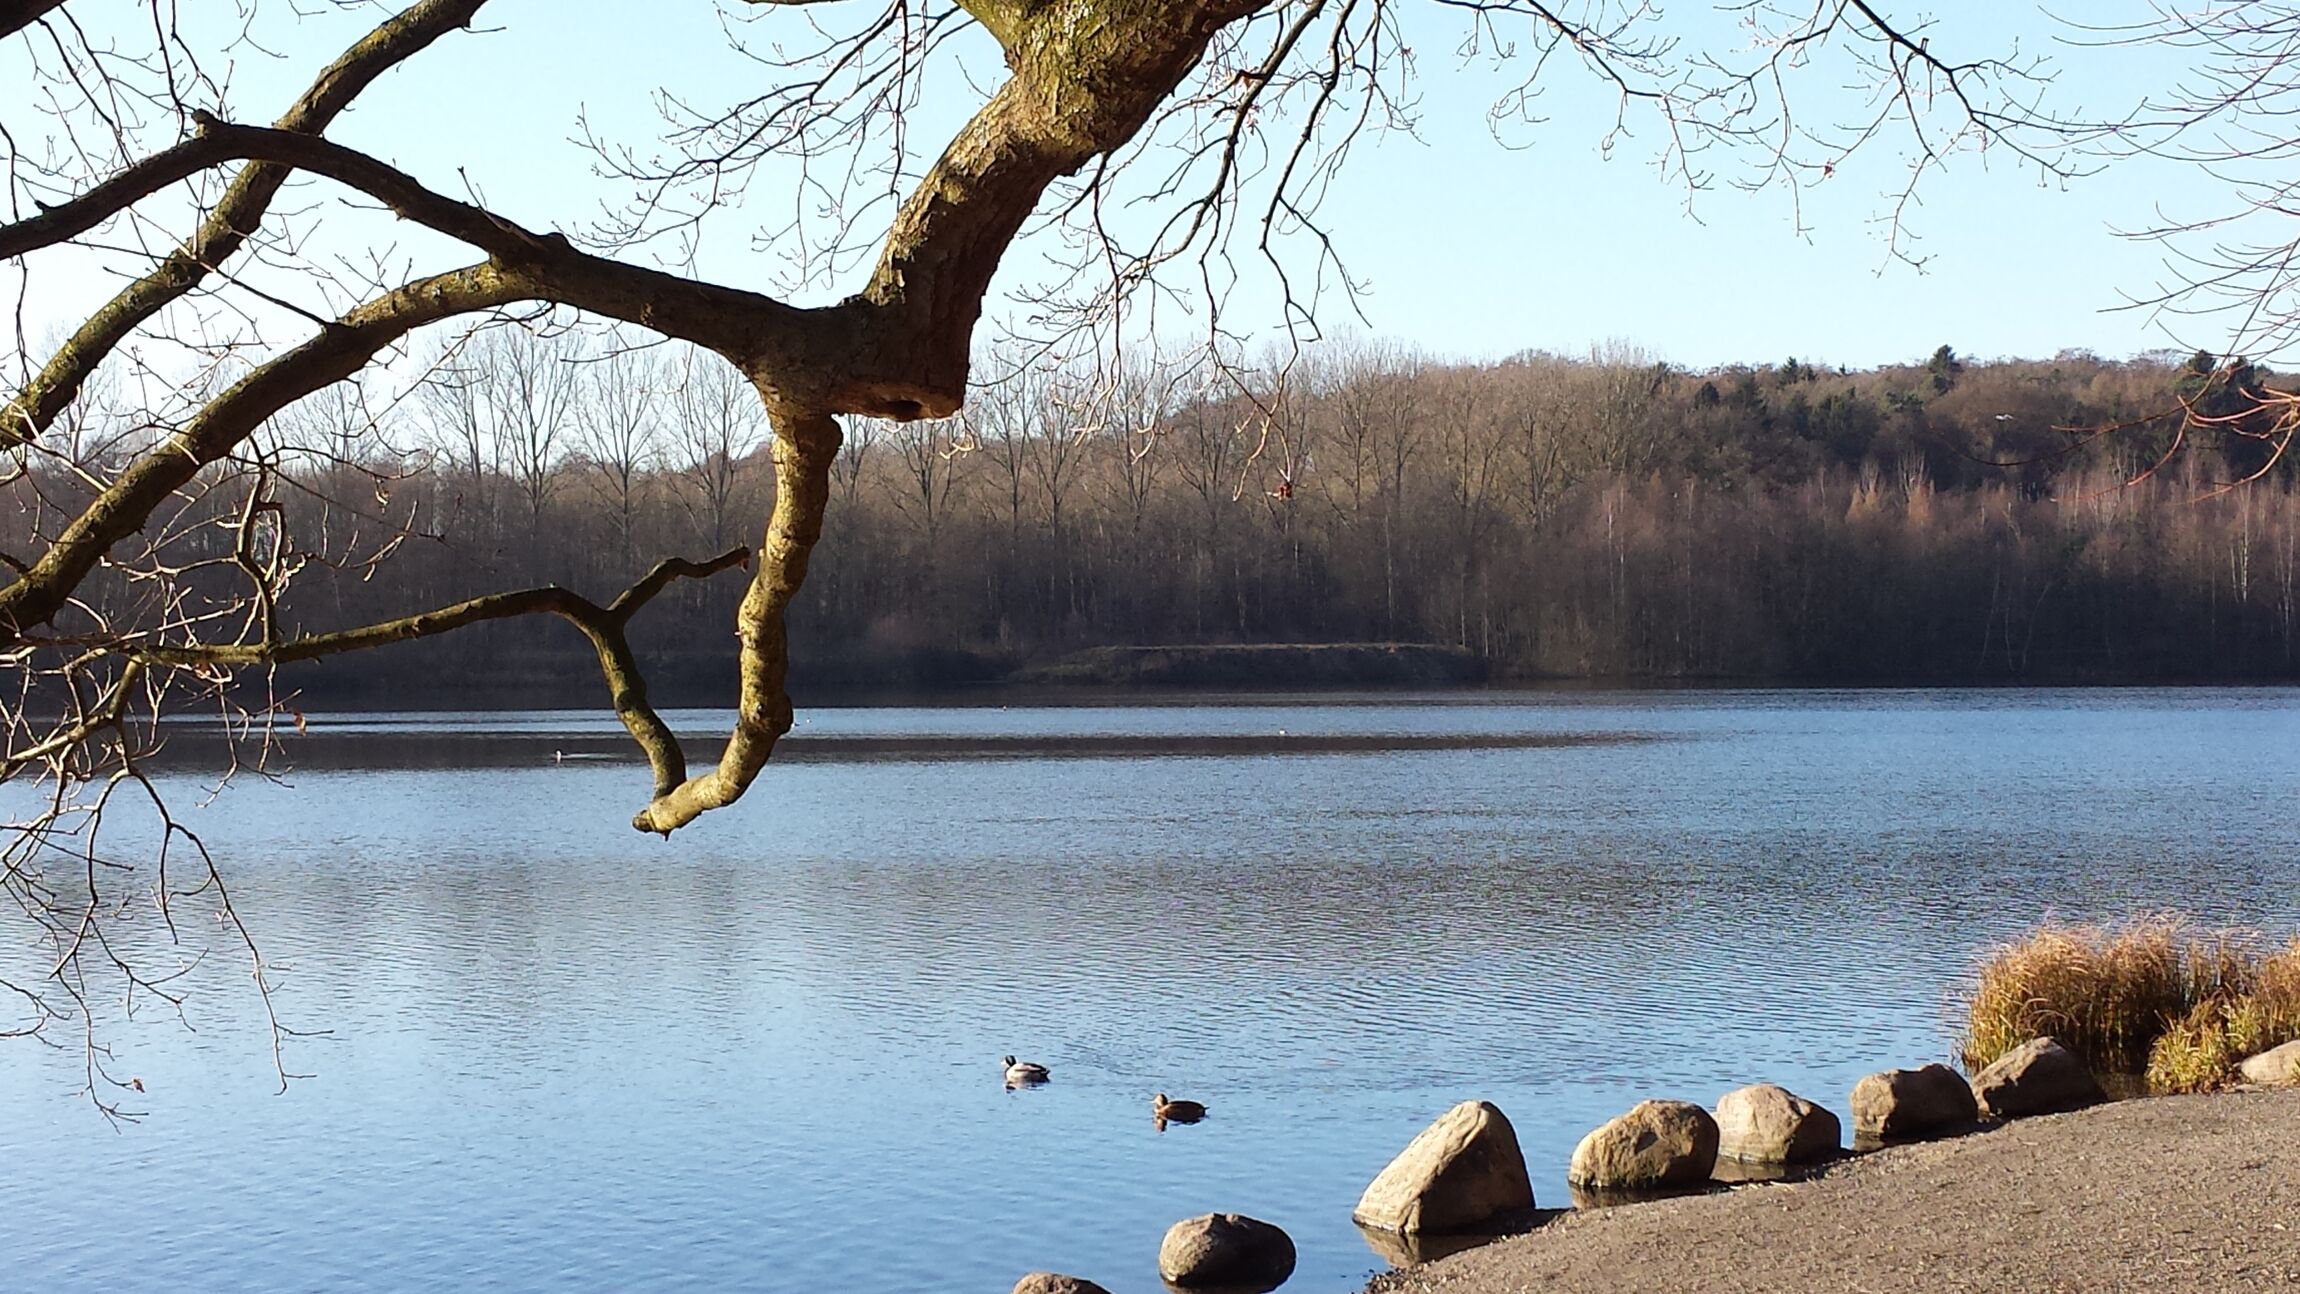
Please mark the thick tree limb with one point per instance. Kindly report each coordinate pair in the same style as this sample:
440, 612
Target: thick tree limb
218, 142
804, 450
236, 215
1087, 75
760, 329
606, 627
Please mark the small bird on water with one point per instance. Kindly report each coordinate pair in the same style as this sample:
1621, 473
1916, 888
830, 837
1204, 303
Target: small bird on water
1166, 1111
1024, 1073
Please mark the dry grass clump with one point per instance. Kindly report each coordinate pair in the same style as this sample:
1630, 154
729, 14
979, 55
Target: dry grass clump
2106, 993
2201, 1052
2276, 991
2196, 1053
2155, 996
2222, 964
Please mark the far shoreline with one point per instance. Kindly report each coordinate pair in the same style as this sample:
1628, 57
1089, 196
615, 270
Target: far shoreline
572, 697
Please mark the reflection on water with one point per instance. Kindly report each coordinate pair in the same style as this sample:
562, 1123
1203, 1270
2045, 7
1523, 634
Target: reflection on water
1735, 1171
1610, 1197
1401, 1250
564, 1056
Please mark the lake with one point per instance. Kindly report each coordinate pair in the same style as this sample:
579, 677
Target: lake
764, 1055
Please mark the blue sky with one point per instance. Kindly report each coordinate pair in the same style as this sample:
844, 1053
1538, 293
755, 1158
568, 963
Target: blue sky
1467, 248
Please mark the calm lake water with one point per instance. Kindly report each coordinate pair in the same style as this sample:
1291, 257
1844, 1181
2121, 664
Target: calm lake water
764, 1056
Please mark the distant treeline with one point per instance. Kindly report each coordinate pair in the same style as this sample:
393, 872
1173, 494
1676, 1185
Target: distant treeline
1599, 517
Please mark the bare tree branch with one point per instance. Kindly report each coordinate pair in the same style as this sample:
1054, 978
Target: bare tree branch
226, 228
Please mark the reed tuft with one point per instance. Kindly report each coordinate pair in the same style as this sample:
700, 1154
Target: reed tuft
2155, 996
2195, 1053
2105, 992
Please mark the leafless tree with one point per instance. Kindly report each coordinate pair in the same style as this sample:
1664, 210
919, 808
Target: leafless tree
852, 465
1472, 446
716, 430
933, 456
1537, 413
1614, 411
526, 387
1000, 427
459, 434
619, 423
1064, 411
1135, 409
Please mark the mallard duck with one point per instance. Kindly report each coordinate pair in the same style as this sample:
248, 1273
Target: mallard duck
1021, 1073
1176, 1111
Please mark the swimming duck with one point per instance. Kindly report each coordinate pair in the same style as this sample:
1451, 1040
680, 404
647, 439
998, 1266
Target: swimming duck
1175, 1111
1021, 1073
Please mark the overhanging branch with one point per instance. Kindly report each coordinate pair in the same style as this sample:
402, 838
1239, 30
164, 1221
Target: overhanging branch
606, 627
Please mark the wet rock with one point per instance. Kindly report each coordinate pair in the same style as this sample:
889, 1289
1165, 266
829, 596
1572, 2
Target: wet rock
1461, 1173
1766, 1124
2276, 1067
1912, 1104
1056, 1283
1657, 1145
2038, 1077
1228, 1250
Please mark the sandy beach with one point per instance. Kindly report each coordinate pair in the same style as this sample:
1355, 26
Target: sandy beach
2176, 1193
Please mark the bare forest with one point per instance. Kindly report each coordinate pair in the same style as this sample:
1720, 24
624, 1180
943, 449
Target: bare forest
1604, 516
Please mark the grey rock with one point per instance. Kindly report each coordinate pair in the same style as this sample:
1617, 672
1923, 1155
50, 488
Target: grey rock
1463, 1172
1766, 1124
1056, 1283
2275, 1067
1911, 1104
1657, 1145
1225, 1249
2038, 1077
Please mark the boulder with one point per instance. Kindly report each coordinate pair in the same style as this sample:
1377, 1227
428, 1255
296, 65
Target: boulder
2276, 1067
1056, 1283
1657, 1145
1463, 1172
1226, 1249
2038, 1077
1907, 1104
1766, 1124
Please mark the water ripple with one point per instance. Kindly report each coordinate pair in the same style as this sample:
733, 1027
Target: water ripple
566, 1057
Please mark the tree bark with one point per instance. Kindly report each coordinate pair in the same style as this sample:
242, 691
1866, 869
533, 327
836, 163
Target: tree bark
805, 447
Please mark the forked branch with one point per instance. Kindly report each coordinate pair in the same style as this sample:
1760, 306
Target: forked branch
805, 448
606, 627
